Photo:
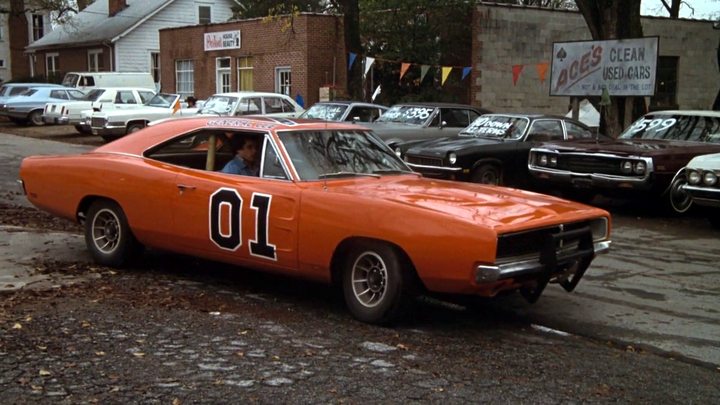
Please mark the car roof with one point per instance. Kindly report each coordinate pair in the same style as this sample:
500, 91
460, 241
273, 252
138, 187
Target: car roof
249, 93
350, 102
436, 104
703, 113
162, 131
535, 116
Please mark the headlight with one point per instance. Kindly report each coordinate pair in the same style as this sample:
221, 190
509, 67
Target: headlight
626, 167
639, 167
452, 158
693, 177
543, 160
553, 161
710, 178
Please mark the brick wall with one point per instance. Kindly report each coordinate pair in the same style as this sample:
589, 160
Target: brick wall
313, 47
504, 36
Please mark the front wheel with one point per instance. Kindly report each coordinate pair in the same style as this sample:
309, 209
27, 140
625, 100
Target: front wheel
679, 199
377, 284
134, 128
487, 174
108, 236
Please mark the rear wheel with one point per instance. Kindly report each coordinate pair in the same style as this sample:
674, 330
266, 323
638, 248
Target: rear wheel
377, 283
108, 236
487, 174
35, 118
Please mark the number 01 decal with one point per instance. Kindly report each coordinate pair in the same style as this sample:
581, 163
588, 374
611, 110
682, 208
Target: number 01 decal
226, 206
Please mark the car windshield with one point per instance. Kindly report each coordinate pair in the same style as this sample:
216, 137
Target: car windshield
327, 112
70, 79
219, 105
675, 127
407, 114
496, 126
327, 154
162, 100
93, 95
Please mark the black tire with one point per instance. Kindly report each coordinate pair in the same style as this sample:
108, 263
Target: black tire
108, 236
35, 118
714, 220
135, 127
81, 130
487, 174
679, 201
377, 284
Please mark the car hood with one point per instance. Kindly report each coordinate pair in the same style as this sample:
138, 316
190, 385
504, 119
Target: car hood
634, 147
441, 146
499, 208
706, 162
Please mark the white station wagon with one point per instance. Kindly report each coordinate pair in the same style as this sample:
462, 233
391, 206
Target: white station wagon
251, 103
71, 112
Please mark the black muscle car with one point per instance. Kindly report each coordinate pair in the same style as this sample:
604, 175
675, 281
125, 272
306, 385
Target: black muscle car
493, 149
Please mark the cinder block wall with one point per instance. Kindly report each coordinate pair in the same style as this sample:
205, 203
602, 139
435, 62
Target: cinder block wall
504, 36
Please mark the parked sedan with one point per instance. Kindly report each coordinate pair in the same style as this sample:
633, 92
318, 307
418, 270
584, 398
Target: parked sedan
416, 121
251, 103
493, 149
699, 182
354, 111
28, 107
642, 162
70, 112
163, 188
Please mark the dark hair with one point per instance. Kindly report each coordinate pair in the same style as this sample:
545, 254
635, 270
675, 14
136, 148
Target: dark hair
191, 99
238, 141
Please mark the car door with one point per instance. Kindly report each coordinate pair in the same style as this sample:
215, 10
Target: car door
240, 219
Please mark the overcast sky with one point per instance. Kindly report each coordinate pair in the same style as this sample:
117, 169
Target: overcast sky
704, 9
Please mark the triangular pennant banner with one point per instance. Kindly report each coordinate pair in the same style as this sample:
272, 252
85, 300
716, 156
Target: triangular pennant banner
403, 69
423, 71
516, 69
351, 60
466, 71
445, 73
542, 69
368, 63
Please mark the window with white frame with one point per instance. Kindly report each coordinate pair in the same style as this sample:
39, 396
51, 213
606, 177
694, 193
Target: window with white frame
184, 77
245, 73
38, 26
95, 60
204, 15
283, 82
155, 66
52, 64
222, 76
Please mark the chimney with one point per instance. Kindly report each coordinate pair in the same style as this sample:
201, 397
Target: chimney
116, 6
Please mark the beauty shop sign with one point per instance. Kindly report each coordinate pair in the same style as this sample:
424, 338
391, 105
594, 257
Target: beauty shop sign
626, 67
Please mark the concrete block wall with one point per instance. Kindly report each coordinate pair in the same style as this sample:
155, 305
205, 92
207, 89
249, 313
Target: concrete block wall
504, 36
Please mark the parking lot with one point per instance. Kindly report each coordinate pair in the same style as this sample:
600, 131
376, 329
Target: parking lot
655, 293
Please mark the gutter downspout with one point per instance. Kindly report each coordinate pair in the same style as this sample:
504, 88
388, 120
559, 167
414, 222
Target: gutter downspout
113, 54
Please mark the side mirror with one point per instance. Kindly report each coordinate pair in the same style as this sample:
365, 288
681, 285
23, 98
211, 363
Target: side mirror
443, 124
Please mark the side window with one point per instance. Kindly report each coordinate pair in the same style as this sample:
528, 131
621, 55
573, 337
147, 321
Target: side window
87, 81
146, 96
362, 114
118, 99
62, 94
575, 131
545, 130
192, 151
454, 117
472, 115
249, 105
127, 97
76, 94
272, 167
273, 105
287, 106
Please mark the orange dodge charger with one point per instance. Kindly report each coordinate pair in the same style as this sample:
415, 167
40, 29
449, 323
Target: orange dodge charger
331, 203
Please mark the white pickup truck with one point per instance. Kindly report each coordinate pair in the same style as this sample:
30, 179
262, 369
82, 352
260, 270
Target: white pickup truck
71, 112
116, 123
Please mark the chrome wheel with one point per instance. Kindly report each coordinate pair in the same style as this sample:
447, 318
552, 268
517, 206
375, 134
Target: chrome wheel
369, 279
106, 231
680, 200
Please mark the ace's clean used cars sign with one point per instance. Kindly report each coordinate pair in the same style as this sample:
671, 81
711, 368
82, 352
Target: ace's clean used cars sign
626, 67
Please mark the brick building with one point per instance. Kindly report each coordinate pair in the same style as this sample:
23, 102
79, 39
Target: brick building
290, 56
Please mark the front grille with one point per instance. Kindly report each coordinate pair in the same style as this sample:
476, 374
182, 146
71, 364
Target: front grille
589, 164
529, 244
425, 161
98, 122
